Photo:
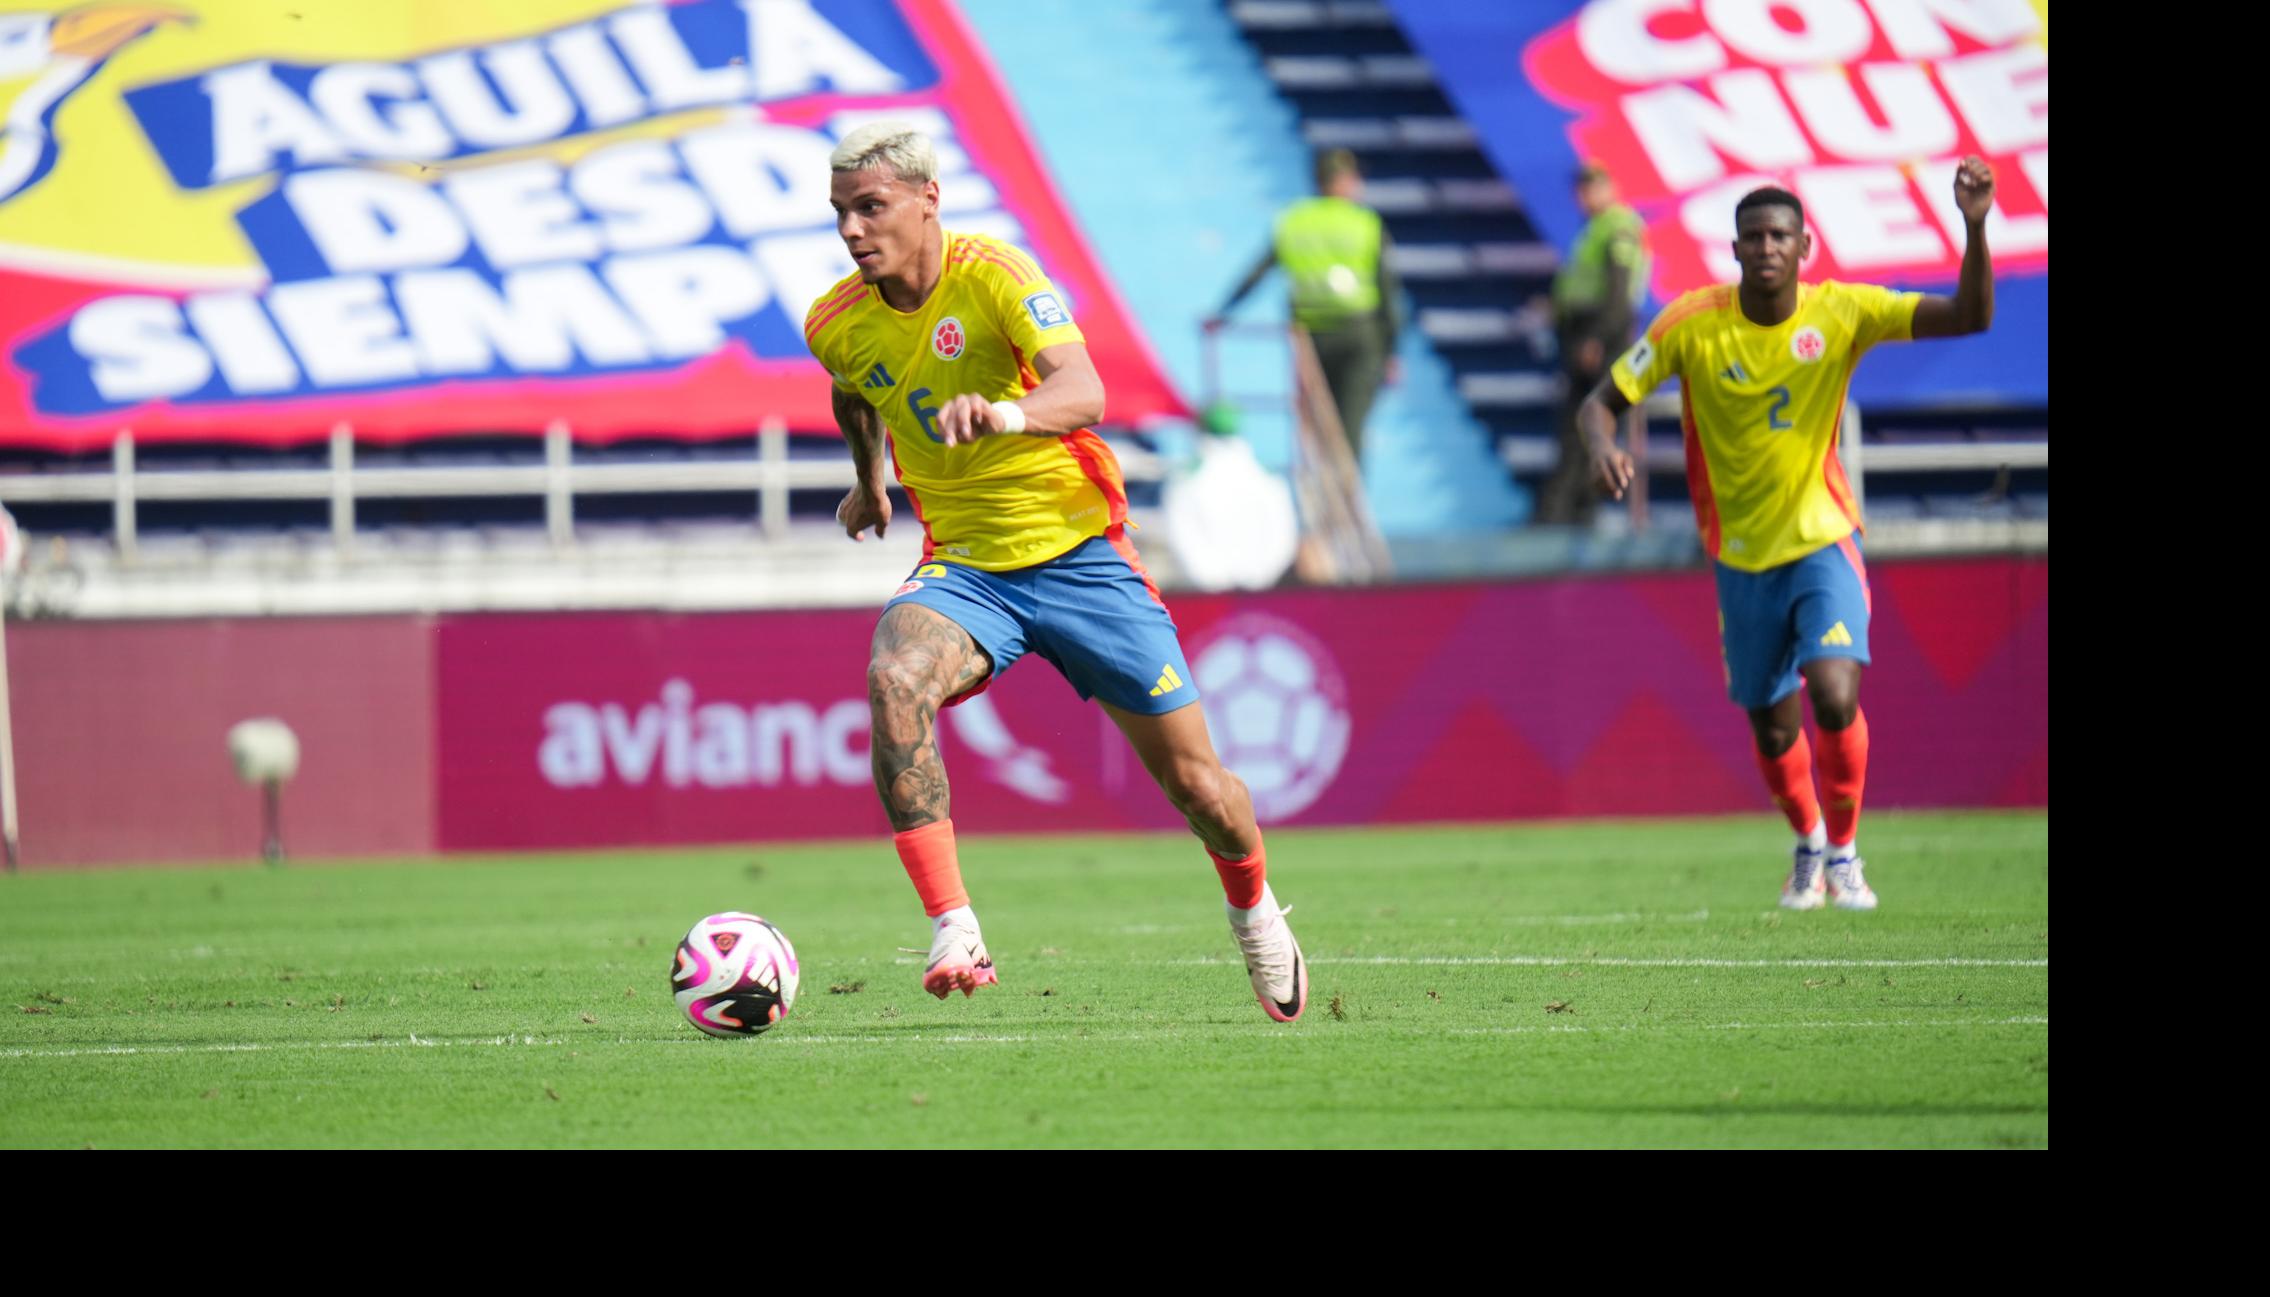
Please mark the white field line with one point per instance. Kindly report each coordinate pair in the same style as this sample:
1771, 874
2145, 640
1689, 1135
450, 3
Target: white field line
1132, 930
1586, 961
1585, 920
980, 1038
1515, 921
1381, 961
1856, 1025
415, 1041
1563, 961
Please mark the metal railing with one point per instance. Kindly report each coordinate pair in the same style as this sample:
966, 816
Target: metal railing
767, 478
1340, 541
1667, 456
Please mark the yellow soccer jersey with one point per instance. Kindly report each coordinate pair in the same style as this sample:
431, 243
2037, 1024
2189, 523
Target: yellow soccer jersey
1761, 406
1004, 501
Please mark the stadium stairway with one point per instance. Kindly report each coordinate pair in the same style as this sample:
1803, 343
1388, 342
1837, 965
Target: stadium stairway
1165, 131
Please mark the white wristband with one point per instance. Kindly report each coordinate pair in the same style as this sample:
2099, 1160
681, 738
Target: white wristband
1012, 415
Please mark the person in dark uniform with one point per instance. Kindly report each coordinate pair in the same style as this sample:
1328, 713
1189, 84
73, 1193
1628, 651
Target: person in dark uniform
1596, 299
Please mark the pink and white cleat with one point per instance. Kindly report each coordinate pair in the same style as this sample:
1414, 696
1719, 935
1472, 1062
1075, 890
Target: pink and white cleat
1272, 959
958, 959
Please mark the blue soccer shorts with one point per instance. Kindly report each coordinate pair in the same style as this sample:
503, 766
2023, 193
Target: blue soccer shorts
1770, 623
1091, 611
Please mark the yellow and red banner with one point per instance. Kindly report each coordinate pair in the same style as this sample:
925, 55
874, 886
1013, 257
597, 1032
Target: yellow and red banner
222, 220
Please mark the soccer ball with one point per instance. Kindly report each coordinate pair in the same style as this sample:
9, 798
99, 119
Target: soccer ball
1277, 709
735, 975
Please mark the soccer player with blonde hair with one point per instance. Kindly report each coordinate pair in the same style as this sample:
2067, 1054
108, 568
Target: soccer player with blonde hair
956, 358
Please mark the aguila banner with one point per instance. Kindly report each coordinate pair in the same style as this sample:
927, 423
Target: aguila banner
222, 220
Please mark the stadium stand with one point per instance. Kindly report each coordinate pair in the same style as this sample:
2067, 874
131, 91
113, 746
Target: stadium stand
1213, 109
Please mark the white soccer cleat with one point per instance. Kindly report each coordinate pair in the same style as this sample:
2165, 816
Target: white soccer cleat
1848, 888
1273, 959
1808, 878
958, 961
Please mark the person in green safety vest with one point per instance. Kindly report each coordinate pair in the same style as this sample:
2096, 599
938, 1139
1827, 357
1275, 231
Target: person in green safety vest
1596, 300
1345, 294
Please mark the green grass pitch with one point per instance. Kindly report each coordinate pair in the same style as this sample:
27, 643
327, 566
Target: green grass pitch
1605, 984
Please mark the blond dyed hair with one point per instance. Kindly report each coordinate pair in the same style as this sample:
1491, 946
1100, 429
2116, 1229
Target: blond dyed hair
895, 146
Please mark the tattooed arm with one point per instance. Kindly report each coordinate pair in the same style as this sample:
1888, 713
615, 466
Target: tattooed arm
868, 503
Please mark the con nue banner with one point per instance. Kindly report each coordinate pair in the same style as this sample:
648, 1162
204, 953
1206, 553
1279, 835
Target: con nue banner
1862, 108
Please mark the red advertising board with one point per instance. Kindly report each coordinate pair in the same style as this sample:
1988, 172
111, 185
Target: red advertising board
1555, 698
1578, 697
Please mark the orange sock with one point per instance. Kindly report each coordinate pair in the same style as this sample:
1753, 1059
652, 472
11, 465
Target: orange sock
1242, 880
1844, 772
1790, 778
928, 854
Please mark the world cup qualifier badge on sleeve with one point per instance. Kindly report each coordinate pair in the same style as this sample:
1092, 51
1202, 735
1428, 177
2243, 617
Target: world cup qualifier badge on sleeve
1047, 310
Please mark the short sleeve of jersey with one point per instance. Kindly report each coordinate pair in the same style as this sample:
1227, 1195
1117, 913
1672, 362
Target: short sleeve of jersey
1651, 360
1032, 312
1623, 250
1626, 245
1880, 314
822, 341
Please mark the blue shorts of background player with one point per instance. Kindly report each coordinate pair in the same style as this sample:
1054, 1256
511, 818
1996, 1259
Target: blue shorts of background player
1089, 611
1772, 622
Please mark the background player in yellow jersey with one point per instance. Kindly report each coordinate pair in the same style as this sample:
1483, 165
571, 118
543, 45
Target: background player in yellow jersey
1762, 369
958, 346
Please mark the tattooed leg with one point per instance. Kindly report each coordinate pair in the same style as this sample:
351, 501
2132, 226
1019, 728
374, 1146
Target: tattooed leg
1179, 753
920, 659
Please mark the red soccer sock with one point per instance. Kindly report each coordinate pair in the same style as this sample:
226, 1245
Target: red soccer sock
1790, 778
928, 854
1242, 880
1844, 772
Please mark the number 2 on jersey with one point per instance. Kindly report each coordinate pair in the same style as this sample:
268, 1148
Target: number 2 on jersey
1780, 403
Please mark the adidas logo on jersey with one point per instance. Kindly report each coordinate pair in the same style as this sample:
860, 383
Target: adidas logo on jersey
1838, 636
1168, 683
879, 377
1734, 374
